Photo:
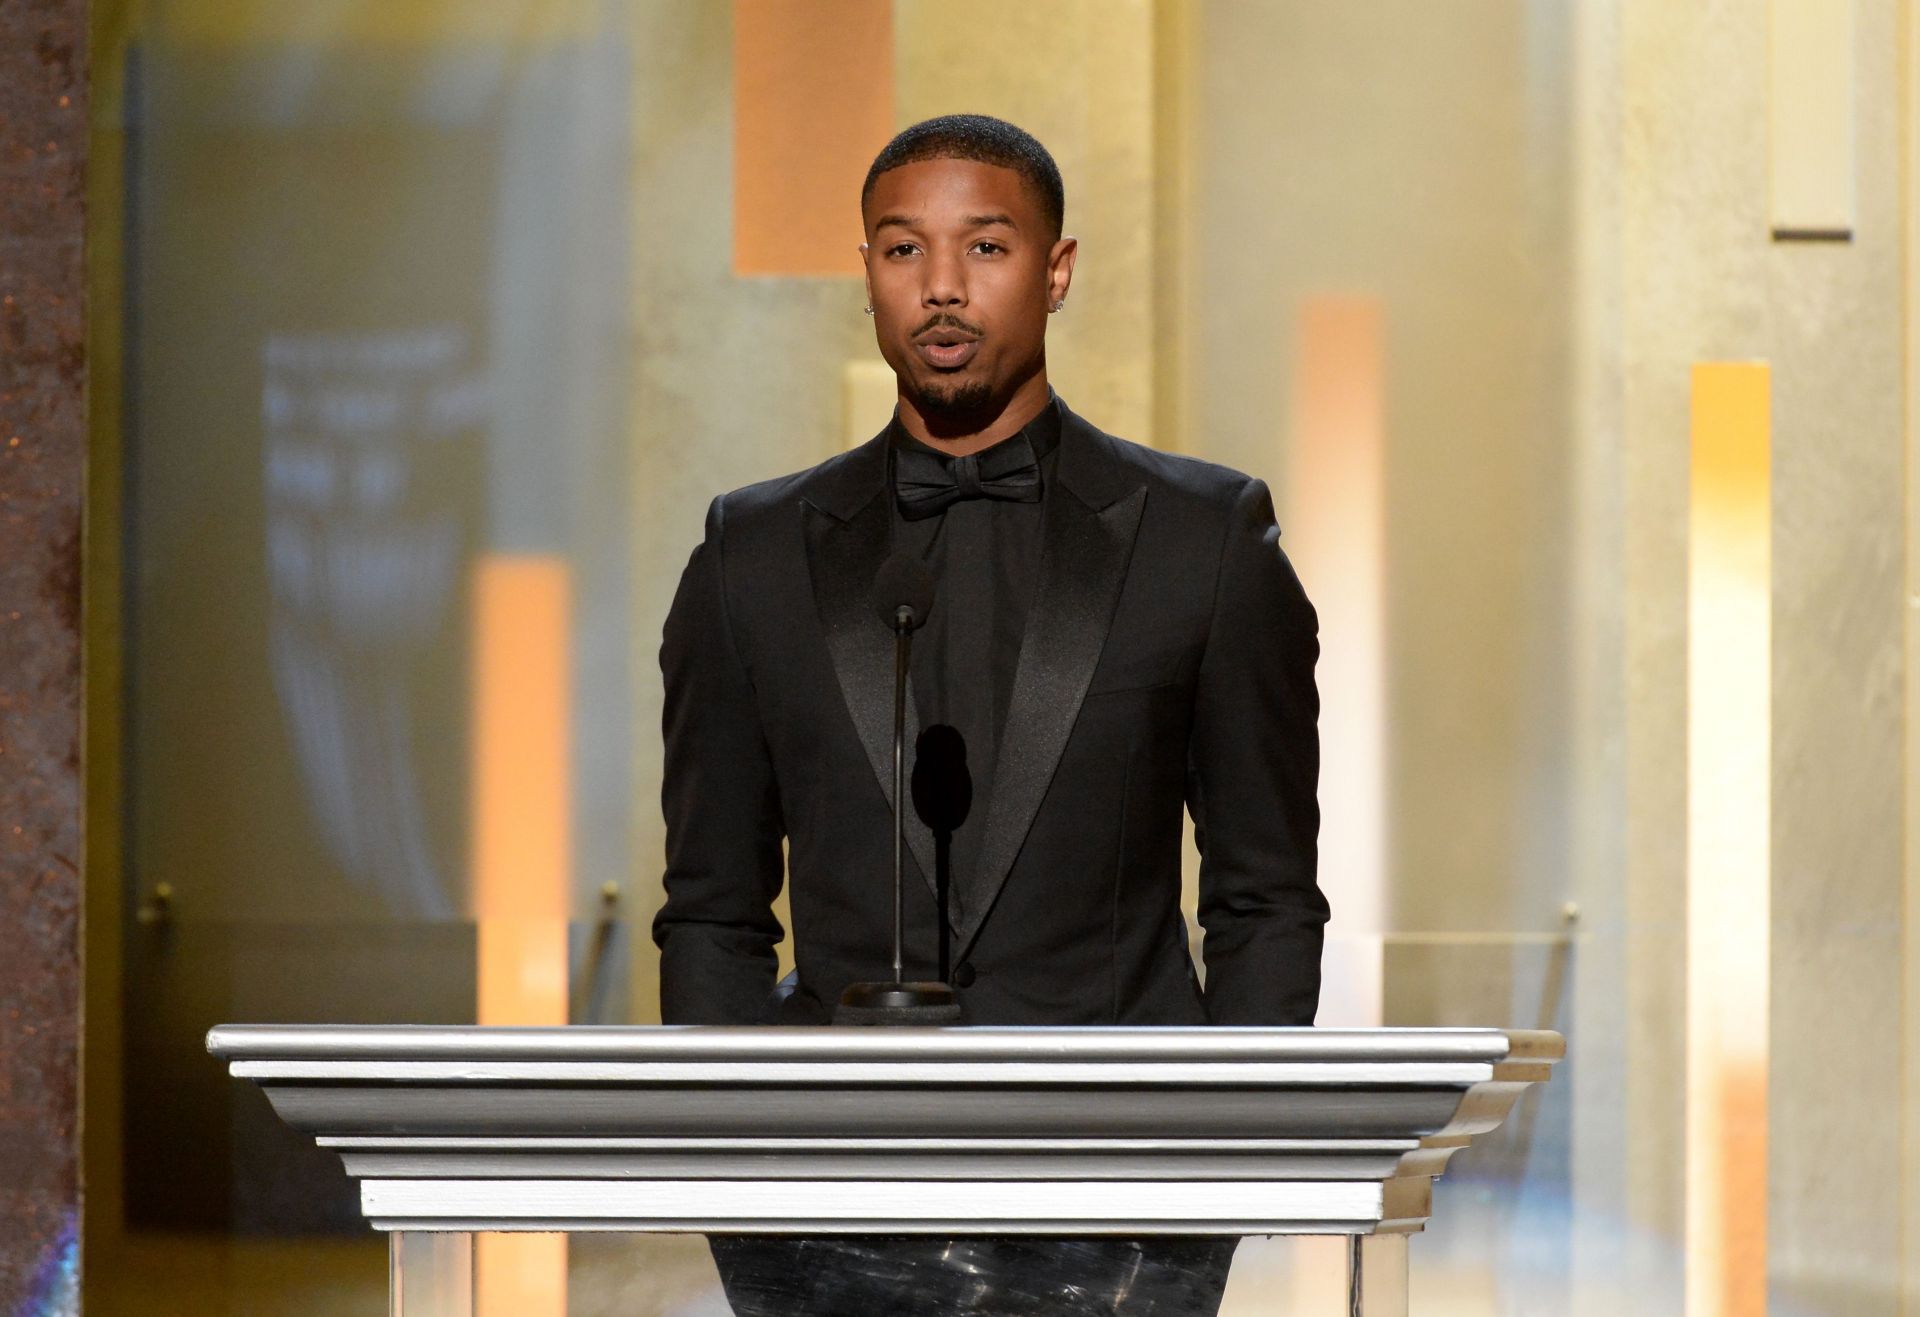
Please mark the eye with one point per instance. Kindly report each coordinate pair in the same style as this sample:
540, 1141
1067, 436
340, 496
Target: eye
988, 247
902, 249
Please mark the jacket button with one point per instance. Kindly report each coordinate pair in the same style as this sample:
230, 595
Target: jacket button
963, 975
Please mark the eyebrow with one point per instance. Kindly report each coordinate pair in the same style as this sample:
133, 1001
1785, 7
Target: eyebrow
971, 221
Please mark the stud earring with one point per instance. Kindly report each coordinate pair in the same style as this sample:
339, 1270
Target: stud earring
869, 310
1057, 305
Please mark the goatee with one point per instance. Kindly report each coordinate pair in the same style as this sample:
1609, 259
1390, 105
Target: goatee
955, 402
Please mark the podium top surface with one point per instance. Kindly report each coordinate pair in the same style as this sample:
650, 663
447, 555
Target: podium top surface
969, 1130
975, 1045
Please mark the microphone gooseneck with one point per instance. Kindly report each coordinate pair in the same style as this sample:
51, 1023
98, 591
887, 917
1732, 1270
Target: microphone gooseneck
903, 623
902, 597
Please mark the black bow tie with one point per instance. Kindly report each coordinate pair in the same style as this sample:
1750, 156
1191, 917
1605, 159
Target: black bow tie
927, 483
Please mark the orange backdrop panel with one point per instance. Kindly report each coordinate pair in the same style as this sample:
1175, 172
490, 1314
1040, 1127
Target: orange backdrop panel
1334, 529
812, 104
1729, 879
522, 795
522, 856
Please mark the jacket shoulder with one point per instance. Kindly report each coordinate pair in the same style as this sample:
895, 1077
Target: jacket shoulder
755, 504
1188, 480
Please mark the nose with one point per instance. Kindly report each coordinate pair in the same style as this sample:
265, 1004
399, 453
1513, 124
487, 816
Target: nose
946, 285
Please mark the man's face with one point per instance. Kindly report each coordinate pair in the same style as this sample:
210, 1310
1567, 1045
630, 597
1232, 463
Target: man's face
961, 270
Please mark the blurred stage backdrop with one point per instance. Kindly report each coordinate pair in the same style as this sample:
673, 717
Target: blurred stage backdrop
1569, 336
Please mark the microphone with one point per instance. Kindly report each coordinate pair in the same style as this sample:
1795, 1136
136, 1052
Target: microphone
903, 592
942, 783
942, 797
902, 596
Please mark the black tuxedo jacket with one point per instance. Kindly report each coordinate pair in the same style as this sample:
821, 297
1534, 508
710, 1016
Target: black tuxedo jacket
1167, 665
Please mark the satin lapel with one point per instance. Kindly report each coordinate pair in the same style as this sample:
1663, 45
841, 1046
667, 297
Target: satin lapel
843, 557
1083, 563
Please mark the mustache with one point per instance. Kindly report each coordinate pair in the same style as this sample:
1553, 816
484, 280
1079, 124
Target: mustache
946, 320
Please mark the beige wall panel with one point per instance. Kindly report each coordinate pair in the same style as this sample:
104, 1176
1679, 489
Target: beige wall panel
1810, 118
869, 392
1606, 1003
1175, 152
1700, 279
1692, 172
1838, 596
1077, 75
1910, 947
734, 380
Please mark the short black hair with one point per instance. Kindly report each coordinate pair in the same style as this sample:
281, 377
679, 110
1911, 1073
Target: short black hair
982, 138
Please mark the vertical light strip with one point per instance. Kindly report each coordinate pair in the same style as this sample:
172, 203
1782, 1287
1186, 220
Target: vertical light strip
1334, 530
522, 860
812, 105
1729, 718
1810, 149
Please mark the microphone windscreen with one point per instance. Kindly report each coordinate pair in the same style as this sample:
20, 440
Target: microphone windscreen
942, 785
903, 580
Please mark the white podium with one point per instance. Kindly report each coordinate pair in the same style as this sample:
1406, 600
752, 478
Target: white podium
966, 1131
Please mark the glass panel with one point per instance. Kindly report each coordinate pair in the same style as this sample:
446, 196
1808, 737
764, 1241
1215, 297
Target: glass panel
374, 318
431, 1275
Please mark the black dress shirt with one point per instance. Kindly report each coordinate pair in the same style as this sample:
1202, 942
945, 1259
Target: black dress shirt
984, 554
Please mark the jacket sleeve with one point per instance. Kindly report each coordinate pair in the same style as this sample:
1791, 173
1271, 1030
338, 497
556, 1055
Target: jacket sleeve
717, 931
1253, 770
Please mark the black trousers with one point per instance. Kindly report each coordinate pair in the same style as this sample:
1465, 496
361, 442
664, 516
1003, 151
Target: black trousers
1014, 1275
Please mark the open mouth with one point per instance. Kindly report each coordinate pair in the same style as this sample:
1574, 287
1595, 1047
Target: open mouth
947, 349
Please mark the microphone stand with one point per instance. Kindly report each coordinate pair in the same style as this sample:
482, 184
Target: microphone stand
942, 891
902, 645
899, 1002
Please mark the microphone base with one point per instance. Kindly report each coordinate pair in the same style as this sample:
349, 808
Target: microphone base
898, 1003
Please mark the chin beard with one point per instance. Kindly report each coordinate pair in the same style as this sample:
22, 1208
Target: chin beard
955, 401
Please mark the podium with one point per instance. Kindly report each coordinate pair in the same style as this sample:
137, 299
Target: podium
822, 1131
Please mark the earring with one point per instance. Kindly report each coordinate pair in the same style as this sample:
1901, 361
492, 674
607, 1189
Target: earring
1057, 305
869, 310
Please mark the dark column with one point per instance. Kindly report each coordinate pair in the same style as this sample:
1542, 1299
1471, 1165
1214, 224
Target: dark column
43, 439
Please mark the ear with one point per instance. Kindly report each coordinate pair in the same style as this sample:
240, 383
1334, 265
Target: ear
866, 268
1060, 268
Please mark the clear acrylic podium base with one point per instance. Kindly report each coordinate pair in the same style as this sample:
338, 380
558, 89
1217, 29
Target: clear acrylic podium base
1376, 1276
430, 1273
943, 1133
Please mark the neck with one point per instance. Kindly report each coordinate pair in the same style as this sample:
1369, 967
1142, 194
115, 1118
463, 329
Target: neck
960, 433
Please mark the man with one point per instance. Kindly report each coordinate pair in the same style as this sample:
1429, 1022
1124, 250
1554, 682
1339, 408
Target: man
1116, 637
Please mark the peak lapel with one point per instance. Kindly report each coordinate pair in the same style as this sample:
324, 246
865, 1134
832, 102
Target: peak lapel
847, 540
1087, 539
